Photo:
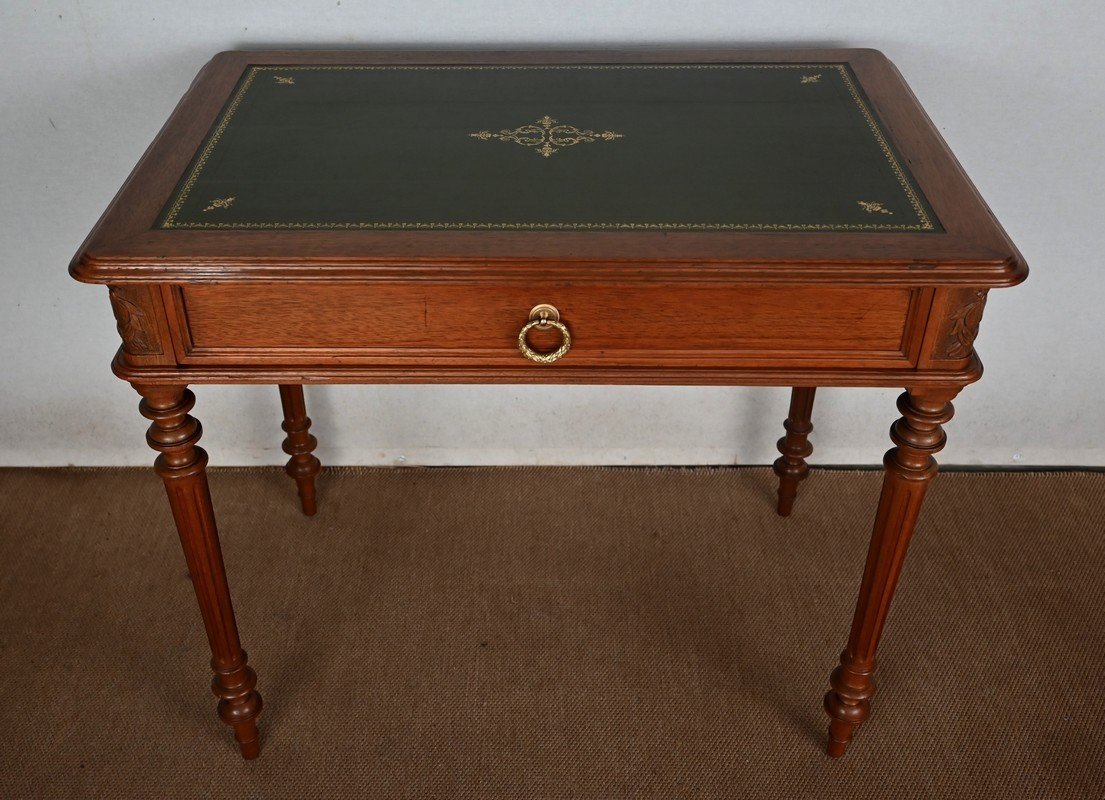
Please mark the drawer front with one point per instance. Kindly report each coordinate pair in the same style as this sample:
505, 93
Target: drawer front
478, 324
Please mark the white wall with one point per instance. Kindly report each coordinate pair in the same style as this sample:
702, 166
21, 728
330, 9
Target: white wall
1016, 86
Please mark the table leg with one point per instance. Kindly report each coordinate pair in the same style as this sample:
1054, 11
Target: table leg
299, 444
183, 467
791, 466
910, 467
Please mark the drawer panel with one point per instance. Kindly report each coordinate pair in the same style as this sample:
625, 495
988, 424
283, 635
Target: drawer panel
474, 324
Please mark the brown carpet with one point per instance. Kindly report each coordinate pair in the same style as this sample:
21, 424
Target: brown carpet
551, 633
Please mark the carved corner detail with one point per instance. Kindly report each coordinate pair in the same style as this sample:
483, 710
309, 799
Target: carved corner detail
964, 325
134, 320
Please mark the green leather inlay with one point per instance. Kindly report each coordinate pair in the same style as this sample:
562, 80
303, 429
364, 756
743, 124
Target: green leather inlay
756, 147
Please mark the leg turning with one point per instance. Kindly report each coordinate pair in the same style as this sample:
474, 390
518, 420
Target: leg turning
183, 468
791, 466
299, 444
910, 467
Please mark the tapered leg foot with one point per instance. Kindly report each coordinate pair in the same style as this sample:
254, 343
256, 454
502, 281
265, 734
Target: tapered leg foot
848, 703
299, 444
839, 736
910, 468
239, 705
182, 466
246, 735
791, 466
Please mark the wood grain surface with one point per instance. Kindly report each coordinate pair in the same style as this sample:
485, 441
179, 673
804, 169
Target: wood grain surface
471, 324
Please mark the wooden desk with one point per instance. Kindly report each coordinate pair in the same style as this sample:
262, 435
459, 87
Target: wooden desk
710, 217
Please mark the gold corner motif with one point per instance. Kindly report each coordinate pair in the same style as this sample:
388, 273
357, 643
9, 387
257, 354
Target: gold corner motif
220, 202
872, 207
547, 136
284, 80
812, 78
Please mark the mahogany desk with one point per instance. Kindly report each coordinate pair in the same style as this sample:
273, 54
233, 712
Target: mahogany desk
709, 217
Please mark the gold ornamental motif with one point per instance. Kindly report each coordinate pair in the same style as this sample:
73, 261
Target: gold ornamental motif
812, 78
547, 136
220, 202
284, 80
872, 207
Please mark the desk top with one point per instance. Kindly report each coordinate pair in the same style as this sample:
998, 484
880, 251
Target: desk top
346, 164
696, 147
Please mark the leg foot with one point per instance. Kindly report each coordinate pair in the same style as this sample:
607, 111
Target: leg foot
848, 703
910, 468
299, 444
791, 466
182, 466
237, 706
838, 746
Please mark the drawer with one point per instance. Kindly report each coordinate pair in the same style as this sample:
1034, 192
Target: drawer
474, 324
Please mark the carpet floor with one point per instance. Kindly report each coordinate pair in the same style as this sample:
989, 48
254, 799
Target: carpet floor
551, 633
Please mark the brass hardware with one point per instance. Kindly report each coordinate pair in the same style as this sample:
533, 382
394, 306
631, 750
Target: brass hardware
544, 316
543, 312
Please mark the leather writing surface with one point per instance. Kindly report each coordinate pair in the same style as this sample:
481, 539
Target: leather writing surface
772, 147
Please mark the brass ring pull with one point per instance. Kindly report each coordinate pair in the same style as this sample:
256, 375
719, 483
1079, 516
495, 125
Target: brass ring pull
544, 316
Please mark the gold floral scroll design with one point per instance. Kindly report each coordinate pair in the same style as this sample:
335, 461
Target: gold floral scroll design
871, 207
547, 136
812, 78
284, 80
220, 202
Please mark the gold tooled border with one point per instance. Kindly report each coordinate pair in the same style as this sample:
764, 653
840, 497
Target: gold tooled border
169, 220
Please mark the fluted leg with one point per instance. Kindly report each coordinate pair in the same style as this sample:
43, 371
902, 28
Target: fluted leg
183, 467
910, 467
299, 444
791, 466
